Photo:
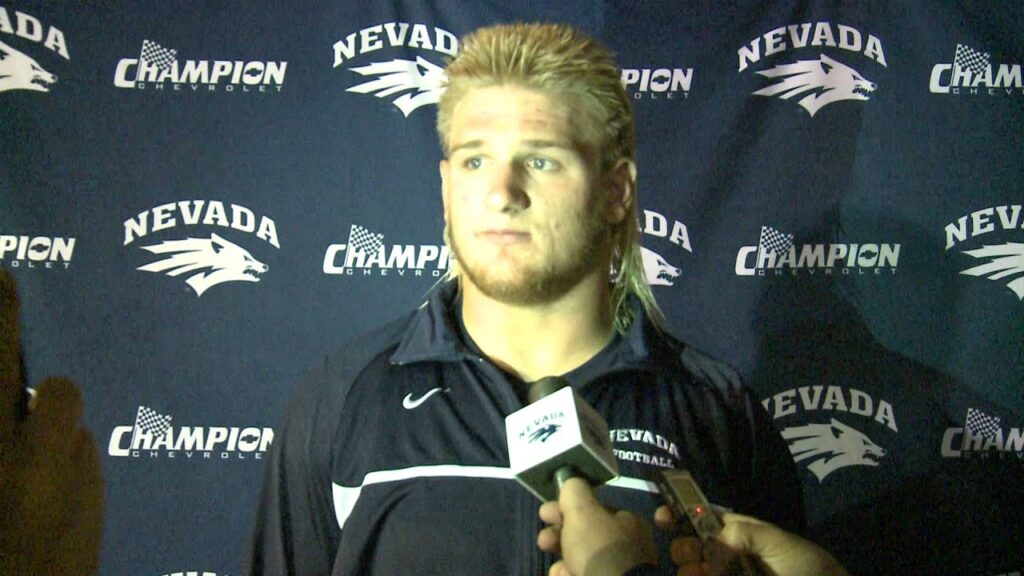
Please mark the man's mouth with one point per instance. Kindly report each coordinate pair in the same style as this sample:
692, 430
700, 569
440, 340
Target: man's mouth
504, 236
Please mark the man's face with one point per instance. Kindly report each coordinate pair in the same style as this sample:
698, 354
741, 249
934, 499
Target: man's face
526, 213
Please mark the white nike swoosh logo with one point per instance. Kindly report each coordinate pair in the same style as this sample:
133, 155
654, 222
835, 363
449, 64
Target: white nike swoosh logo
409, 403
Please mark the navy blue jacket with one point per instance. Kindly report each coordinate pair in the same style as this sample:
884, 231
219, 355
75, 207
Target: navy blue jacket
393, 460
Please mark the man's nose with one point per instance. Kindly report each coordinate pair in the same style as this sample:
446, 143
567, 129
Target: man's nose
507, 192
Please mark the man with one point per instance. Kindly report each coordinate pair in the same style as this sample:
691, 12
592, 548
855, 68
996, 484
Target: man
393, 457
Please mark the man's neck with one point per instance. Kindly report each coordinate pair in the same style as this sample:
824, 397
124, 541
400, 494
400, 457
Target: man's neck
533, 341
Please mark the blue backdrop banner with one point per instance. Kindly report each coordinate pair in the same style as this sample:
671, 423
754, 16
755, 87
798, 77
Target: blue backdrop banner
200, 201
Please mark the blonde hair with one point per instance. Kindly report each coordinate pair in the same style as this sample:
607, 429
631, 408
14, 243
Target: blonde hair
557, 59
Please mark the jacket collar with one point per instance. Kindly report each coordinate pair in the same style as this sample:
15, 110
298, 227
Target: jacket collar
433, 333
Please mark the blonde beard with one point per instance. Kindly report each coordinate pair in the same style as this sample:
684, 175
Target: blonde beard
543, 283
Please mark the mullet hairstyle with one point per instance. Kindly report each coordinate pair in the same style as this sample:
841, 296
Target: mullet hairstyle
558, 60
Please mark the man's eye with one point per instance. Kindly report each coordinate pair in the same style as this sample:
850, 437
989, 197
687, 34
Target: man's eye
473, 163
544, 164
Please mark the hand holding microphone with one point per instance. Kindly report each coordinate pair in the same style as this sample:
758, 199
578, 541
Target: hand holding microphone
555, 437
777, 552
592, 539
596, 541
558, 448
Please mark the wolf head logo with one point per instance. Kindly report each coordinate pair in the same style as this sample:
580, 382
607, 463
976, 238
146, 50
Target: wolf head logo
832, 446
542, 434
657, 271
227, 262
1006, 260
828, 81
402, 75
19, 72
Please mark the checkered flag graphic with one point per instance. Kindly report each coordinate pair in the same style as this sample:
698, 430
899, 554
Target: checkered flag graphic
361, 239
151, 421
156, 55
774, 241
981, 424
971, 59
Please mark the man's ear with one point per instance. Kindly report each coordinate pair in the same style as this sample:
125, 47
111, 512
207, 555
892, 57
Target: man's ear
621, 188
442, 167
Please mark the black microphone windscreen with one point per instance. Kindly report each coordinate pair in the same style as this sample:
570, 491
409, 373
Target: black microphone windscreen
545, 386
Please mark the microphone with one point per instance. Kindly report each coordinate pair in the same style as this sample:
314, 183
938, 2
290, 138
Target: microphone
555, 437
